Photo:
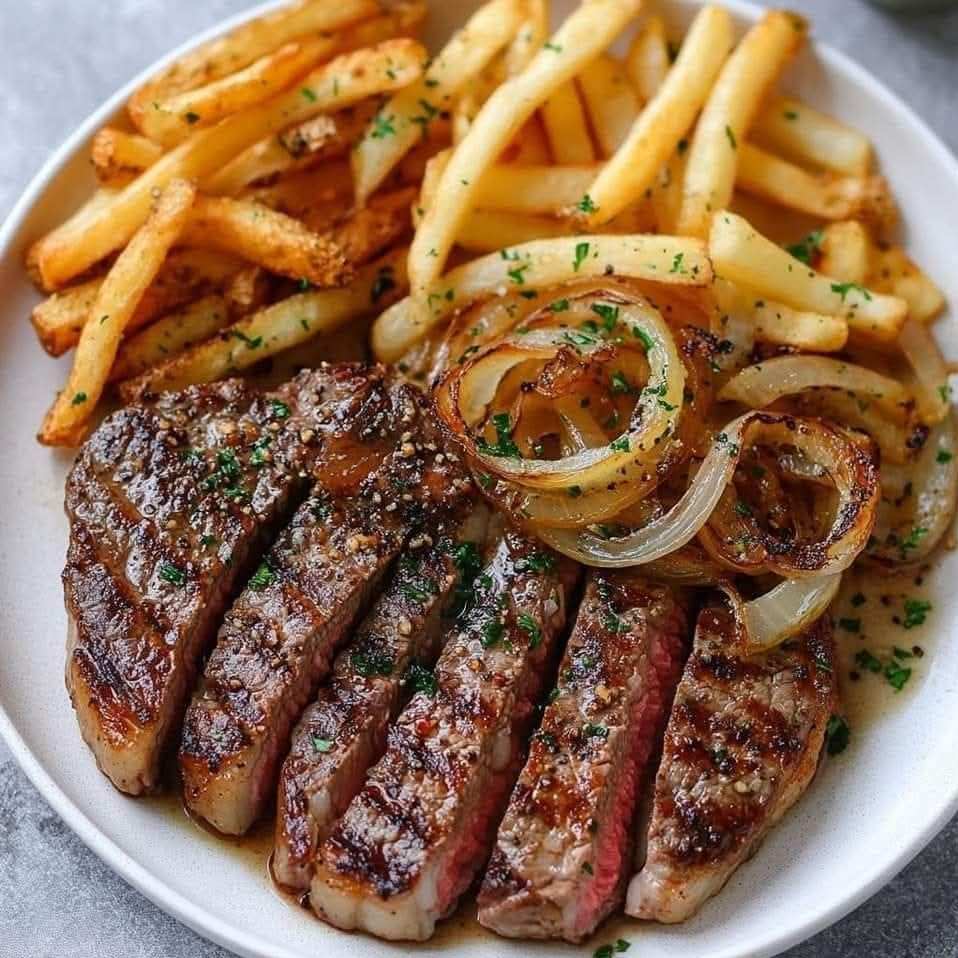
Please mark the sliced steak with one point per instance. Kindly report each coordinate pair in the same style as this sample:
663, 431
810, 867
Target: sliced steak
741, 746
170, 501
344, 731
563, 851
280, 636
414, 838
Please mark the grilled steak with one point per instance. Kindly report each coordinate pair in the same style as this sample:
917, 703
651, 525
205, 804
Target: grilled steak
416, 835
741, 746
563, 850
344, 731
279, 638
170, 501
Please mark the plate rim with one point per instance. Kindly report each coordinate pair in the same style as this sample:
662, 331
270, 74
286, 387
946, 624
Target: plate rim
195, 916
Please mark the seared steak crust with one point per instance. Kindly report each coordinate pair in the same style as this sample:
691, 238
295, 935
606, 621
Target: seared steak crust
279, 638
563, 849
416, 835
169, 500
344, 731
741, 746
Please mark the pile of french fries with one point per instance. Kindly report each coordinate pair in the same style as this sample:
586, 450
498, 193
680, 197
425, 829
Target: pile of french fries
265, 188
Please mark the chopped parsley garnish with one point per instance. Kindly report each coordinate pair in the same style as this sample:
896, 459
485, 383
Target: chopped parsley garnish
790, 114
382, 284
647, 341
677, 263
595, 731
208, 541
609, 315
382, 127
554, 47
253, 343
323, 745
172, 574
585, 205
418, 591
581, 252
730, 135
743, 508
912, 539
531, 628
843, 289
850, 625
517, 273
308, 94
492, 633
468, 563
420, 679
897, 675
504, 447
260, 456
837, 734
805, 249
78, 399
915, 612
279, 409
943, 456
536, 562
262, 577
620, 445
865, 660
371, 663
560, 306
620, 384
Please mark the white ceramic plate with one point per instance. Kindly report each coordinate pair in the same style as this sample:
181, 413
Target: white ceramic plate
864, 818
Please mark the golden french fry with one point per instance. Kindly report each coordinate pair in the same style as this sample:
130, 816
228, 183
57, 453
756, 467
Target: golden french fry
845, 252
824, 195
647, 62
530, 147
326, 137
532, 34
728, 114
566, 127
805, 134
169, 336
240, 47
135, 268
90, 235
116, 154
784, 226
533, 189
663, 122
300, 192
281, 326
175, 118
406, 116
666, 192
186, 274
583, 36
610, 102
484, 231
893, 272
260, 235
369, 231
742, 255
430, 184
539, 265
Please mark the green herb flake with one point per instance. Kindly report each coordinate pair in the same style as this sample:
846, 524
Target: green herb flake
647, 341
867, 661
559, 306
805, 249
279, 409
790, 114
172, 574
730, 136
843, 289
943, 456
619, 384
595, 731
850, 625
372, 663
262, 577
677, 263
837, 735
420, 679
916, 611
585, 205
323, 745
620, 445
575, 491
539, 562
492, 633
554, 47
308, 94
896, 675
382, 127
531, 628
609, 315
78, 399
504, 447
581, 252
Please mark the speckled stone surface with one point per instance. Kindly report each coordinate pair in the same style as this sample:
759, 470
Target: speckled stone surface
58, 60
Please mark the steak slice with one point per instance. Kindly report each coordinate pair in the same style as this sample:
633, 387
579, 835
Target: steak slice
279, 638
414, 838
741, 746
344, 731
170, 501
563, 851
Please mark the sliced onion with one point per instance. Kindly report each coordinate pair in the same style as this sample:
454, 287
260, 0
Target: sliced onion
465, 395
759, 385
927, 512
788, 609
930, 380
851, 468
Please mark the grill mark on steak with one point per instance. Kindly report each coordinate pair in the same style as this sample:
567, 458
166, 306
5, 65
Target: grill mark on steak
167, 510
741, 746
278, 640
563, 849
413, 839
344, 731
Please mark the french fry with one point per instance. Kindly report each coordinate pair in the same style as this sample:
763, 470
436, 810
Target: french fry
247, 290
533, 189
174, 119
780, 224
806, 135
135, 268
610, 102
566, 127
300, 192
647, 62
663, 122
90, 235
169, 336
240, 47
430, 184
728, 114
893, 272
369, 231
585, 33
116, 154
281, 326
301, 147
742, 255
530, 147
484, 231
532, 34
666, 193
260, 235
539, 265
824, 195
845, 251
186, 274
407, 114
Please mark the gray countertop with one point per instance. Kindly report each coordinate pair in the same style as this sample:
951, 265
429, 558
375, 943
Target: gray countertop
58, 60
